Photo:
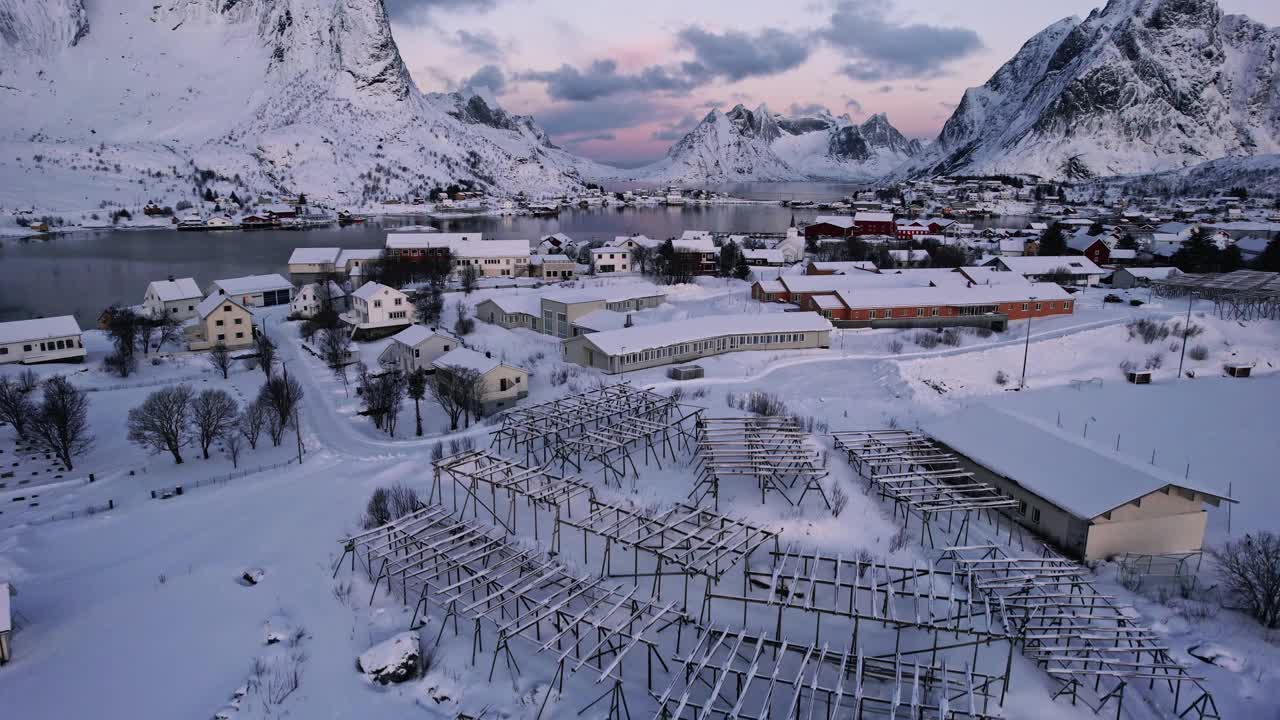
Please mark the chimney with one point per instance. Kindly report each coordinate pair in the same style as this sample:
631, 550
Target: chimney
170, 278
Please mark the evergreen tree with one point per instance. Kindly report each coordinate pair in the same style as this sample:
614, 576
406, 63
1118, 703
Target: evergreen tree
1269, 259
1053, 242
1198, 254
741, 269
728, 259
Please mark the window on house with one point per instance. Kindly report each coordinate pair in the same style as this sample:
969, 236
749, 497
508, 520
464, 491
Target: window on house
1039, 306
26, 348
377, 303
239, 335
221, 336
219, 323
1022, 507
1035, 515
4, 351
239, 321
1026, 306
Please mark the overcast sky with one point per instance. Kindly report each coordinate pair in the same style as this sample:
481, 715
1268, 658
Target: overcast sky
619, 82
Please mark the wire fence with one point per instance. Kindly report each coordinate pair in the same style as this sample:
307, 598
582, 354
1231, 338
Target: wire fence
237, 474
71, 514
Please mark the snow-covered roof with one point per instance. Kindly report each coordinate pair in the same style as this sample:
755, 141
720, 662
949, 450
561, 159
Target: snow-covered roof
542, 259
642, 240
180, 289
1252, 245
846, 266
1013, 244
840, 221
335, 290
1081, 240
991, 276
602, 320
367, 291
1046, 264
828, 302
765, 255
416, 334
950, 295
831, 283
607, 294
772, 286
314, 255
468, 359
696, 235
873, 217
909, 255
347, 256
1123, 254
420, 240
1075, 474
695, 244
648, 337
212, 302
51, 327
252, 284
1153, 273
512, 304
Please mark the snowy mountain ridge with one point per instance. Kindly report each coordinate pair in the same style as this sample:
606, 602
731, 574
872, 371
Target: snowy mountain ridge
1138, 86
285, 95
758, 145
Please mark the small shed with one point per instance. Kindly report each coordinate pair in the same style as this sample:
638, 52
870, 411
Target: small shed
1239, 370
685, 372
6, 623
1139, 377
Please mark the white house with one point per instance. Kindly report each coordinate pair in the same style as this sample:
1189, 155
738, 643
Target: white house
607, 260
308, 264
631, 242
255, 290
511, 311
171, 298
311, 299
503, 384
493, 258
221, 319
54, 339
556, 244
416, 348
352, 264
1036, 268
378, 310
552, 267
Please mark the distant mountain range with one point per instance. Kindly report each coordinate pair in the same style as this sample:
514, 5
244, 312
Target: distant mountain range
757, 145
130, 100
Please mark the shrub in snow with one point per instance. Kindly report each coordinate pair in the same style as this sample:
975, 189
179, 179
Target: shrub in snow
252, 576
951, 337
1154, 361
900, 540
392, 661
927, 340
1199, 353
839, 500
1001, 378
1127, 366
895, 346
1250, 572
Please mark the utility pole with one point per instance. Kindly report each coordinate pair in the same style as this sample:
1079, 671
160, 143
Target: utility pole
297, 426
1186, 330
1026, 350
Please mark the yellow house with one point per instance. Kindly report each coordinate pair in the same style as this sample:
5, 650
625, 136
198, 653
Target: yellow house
221, 318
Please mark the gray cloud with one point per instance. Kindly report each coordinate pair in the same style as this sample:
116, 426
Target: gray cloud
676, 130
736, 55
880, 49
483, 44
489, 77
853, 104
594, 117
602, 79
605, 136
798, 110
417, 10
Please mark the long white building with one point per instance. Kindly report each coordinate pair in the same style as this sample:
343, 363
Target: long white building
646, 346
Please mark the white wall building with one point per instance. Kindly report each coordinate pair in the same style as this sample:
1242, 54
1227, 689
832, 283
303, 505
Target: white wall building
377, 310
416, 348
171, 298
311, 299
255, 290
609, 260
54, 339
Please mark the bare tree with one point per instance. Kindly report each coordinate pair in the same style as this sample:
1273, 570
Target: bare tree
213, 415
416, 386
465, 324
16, 406
280, 397
251, 422
61, 424
232, 444
168, 331
122, 327
120, 363
333, 347
469, 276
162, 422
383, 394
220, 358
453, 388
1250, 571
266, 348
146, 331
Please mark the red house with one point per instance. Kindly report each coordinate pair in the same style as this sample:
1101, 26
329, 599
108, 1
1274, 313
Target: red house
874, 223
1091, 247
829, 226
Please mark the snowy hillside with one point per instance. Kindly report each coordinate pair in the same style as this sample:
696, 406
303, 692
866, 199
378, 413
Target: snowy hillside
1138, 86
129, 99
757, 145
1260, 174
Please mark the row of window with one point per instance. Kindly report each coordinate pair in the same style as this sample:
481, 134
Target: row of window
220, 323
731, 342
222, 337
47, 346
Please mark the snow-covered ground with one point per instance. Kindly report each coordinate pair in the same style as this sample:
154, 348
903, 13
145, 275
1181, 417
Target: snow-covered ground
142, 611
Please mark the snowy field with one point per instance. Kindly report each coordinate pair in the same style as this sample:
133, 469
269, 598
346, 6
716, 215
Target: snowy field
143, 610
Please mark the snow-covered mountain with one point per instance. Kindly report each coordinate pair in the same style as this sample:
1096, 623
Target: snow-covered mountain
121, 100
757, 145
1138, 86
